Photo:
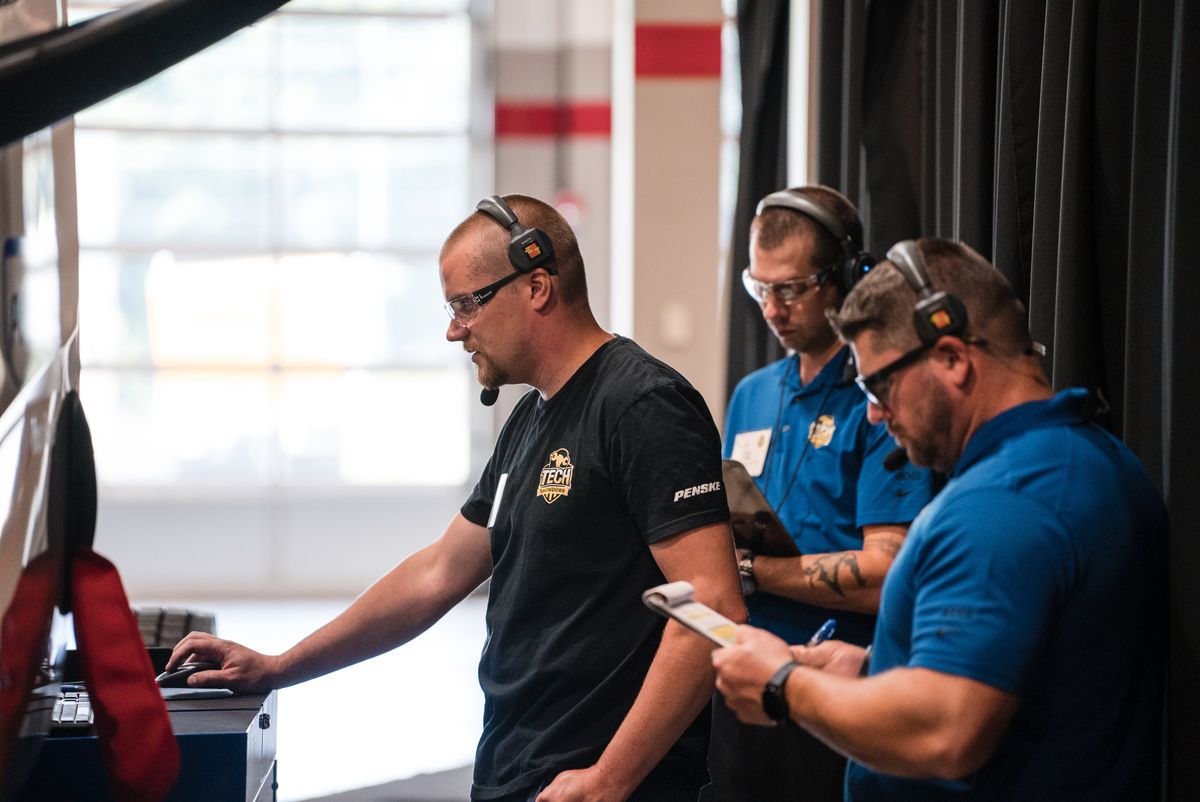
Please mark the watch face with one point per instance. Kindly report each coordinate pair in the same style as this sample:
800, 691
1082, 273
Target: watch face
774, 700
775, 704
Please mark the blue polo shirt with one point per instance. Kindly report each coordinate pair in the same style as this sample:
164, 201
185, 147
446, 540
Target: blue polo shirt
1040, 569
823, 475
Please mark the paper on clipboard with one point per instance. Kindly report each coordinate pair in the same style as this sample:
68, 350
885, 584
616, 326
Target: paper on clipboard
674, 600
755, 525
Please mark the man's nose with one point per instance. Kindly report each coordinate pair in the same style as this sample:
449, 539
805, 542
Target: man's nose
456, 331
772, 308
876, 413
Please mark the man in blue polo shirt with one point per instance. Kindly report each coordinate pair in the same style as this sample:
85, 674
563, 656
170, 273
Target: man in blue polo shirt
1018, 651
800, 427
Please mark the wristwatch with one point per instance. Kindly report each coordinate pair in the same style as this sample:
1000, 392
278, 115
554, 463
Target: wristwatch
774, 700
745, 566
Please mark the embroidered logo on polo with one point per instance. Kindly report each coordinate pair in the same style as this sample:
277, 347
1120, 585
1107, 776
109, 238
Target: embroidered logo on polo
820, 431
555, 481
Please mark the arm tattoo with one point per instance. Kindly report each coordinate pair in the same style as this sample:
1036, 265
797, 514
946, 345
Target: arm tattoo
827, 570
887, 544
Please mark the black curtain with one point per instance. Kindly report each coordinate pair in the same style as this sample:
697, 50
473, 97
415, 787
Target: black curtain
1056, 139
763, 48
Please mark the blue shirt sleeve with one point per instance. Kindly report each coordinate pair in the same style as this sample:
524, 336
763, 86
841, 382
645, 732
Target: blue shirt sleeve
989, 577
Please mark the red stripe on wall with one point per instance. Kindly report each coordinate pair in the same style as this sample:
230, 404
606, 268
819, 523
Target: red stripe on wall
522, 119
677, 51
587, 118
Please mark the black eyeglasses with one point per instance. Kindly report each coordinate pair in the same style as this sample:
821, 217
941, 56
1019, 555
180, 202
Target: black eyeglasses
878, 385
462, 309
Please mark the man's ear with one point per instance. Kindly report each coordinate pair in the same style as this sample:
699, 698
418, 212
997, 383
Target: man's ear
950, 357
541, 289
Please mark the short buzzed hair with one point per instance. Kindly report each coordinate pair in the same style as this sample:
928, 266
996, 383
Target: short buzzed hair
883, 301
490, 257
777, 224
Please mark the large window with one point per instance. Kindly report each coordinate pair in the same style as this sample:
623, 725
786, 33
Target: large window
259, 225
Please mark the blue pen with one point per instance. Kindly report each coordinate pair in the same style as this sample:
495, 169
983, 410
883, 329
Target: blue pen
824, 633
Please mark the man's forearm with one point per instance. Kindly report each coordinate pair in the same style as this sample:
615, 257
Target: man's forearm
379, 620
395, 609
845, 580
904, 722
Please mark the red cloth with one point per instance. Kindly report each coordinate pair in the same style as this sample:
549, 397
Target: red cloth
26, 626
139, 748
136, 741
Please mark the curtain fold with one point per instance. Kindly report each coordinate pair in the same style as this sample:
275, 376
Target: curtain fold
762, 168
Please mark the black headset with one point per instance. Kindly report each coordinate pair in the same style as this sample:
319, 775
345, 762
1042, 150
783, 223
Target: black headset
855, 262
937, 313
528, 248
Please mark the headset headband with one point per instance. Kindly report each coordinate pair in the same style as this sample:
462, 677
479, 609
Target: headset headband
528, 248
937, 313
854, 264
787, 199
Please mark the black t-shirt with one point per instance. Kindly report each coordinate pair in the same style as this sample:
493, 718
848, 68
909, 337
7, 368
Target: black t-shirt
624, 455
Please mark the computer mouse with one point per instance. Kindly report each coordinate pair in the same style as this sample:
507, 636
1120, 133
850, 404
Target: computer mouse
178, 676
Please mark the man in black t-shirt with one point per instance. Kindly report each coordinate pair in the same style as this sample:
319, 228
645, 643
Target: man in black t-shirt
605, 481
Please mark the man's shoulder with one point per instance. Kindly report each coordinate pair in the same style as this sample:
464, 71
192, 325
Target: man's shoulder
628, 371
771, 373
1051, 459
1081, 471
754, 386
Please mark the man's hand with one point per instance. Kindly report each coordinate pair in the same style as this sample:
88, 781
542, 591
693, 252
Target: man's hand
744, 668
241, 669
584, 785
832, 657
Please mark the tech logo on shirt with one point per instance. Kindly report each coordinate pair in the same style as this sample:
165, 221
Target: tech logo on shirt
820, 431
555, 481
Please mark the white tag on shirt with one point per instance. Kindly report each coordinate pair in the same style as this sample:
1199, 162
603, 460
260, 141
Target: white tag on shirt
750, 449
496, 500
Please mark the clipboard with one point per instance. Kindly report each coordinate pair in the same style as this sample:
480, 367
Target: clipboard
674, 600
755, 525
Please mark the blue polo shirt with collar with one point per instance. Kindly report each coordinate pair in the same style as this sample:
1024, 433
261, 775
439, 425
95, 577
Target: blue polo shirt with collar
1040, 569
823, 475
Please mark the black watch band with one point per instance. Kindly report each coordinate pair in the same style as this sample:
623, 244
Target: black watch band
774, 700
745, 566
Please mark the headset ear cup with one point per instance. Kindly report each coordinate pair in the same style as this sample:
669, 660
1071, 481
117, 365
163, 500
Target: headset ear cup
531, 249
520, 261
939, 315
528, 248
853, 270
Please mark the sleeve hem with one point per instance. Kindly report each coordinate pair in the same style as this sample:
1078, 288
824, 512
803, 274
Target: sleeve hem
967, 672
685, 524
468, 511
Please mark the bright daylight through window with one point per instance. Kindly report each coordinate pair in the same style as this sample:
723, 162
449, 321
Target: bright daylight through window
259, 225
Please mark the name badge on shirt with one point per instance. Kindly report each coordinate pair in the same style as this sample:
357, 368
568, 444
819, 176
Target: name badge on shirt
496, 500
750, 449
